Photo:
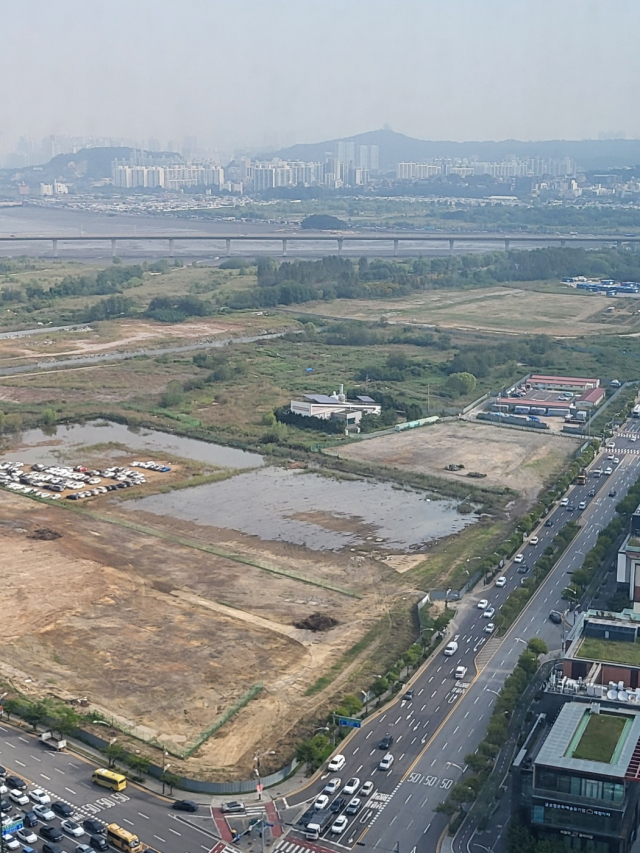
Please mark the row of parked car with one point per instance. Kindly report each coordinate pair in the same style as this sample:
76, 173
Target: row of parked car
37, 812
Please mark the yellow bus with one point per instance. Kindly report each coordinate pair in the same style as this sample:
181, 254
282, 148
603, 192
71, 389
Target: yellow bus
109, 779
122, 839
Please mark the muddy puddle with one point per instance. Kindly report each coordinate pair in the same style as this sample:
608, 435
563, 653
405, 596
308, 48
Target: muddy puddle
315, 511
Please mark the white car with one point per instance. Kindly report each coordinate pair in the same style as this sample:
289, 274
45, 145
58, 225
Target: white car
489, 612
483, 604
44, 813
322, 802
352, 785
489, 628
72, 828
19, 797
608, 470
519, 558
339, 825
332, 786
502, 581
367, 789
26, 836
11, 843
564, 502
534, 540
337, 763
386, 762
616, 461
39, 796
582, 505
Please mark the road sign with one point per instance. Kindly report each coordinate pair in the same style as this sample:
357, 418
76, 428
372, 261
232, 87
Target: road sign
350, 722
12, 827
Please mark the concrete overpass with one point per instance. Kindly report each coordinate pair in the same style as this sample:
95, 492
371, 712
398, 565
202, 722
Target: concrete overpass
338, 238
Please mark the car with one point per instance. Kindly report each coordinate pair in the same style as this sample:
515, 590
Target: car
15, 783
83, 848
339, 825
555, 617
571, 508
352, 785
3, 771
367, 789
533, 540
451, 648
460, 672
408, 696
43, 812
336, 763
592, 493
72, 828
52, 848
489, 628
332, 786
386, 762
19, 797
321, 802
564, 502
30, 819
519, 558
612, 493
582, 505
39, 796
26, 836
482, 604
338, 804
185, 806
62, 809
51, 833
97, 842
10, 843
608, 470
548, 522
354, 806
489, 613
232, 807
3, 789
386, 742
523, 569
616, 460
93, 826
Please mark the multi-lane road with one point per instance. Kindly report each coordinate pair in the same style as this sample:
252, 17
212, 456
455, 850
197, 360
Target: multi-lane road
432, 733
447, 718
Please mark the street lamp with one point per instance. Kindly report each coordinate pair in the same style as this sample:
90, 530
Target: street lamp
482, 847
489, 690
453, 764
165, 767
518, 640
256, 759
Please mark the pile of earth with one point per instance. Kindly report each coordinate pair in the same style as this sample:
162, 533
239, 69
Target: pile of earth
317, 622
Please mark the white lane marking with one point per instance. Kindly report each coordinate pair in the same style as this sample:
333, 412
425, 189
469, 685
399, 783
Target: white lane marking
143, 815
57, 769
360, 768
175, 831
130, 822
19, 762
34, 758
356, 749
369, 735
48, 778
23, 739
12, 745
162, 840
70, 791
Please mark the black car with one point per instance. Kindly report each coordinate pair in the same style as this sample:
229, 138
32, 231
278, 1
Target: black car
5, 806
548, 522
408, 696
61, 809
98, 842
338, 804
14, 783
93, 827
51, 833
571, 508
233, 807
48, 847
612, 493
3, 770
523, 568
386, 742
555, 617
185, 806
307, 817
30, 819
592, 493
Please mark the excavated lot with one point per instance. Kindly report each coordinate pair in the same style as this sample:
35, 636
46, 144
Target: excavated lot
164, 638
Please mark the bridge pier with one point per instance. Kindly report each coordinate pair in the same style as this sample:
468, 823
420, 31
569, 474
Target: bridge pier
451, 242
55, 248
228, 244
618, 244
171, 252
395, 247
284, 248
563, 243
113, 247
507, 243
340, 242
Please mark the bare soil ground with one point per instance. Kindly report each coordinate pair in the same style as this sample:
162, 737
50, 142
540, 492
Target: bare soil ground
165, 638
521, 460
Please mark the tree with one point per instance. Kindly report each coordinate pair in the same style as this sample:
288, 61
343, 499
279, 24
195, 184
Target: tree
115, 752
447, 808
323, 222
537, 646
65, 720
460, 384
49, 417
379, 686
350, 704
35, 713
138, 763
170, 779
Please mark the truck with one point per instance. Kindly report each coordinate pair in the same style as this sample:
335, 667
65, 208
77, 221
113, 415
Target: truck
52, 741
581, 479
318, 824
636, 412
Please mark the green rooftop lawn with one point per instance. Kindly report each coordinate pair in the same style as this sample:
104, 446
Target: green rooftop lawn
600, 738
609, 650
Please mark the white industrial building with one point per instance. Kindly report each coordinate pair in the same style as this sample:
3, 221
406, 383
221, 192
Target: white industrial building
336, 406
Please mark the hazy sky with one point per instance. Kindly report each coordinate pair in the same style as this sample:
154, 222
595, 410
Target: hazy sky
234, 72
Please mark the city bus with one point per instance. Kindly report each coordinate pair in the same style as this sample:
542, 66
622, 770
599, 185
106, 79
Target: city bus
109, 779
122, 839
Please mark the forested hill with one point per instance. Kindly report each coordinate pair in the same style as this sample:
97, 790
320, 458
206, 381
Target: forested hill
396, 148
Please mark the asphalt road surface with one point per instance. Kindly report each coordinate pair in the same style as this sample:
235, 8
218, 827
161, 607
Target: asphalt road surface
447, 718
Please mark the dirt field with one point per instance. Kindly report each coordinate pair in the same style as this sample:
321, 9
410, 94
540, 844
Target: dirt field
506, 309
165, 638
521, 460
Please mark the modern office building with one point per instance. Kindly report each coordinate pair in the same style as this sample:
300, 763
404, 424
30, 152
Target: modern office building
578, 779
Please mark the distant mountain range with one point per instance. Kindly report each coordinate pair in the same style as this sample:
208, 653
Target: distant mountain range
590, 154
88, 164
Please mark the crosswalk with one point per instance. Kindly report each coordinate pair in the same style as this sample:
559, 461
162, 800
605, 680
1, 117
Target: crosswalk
635, 451
286, 846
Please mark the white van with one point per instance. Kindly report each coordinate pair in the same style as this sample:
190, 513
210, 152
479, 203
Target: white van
337, 763
451, 648
460, 672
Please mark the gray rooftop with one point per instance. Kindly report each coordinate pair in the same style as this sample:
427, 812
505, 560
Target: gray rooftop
558, 741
